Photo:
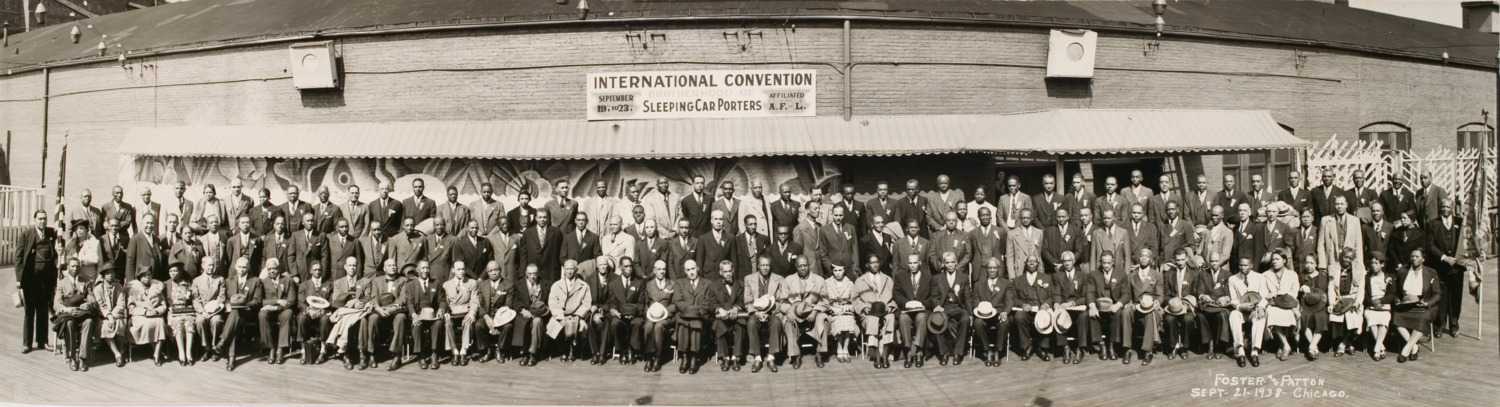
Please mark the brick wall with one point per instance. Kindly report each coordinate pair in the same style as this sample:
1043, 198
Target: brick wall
901, 69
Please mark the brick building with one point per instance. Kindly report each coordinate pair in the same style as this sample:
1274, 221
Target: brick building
496, 91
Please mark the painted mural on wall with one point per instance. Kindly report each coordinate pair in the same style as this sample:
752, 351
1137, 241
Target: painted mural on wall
508, 176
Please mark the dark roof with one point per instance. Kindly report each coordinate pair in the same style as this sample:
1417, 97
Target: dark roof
214, 23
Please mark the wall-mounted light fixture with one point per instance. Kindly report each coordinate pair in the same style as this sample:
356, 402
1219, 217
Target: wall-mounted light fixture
40, 12
1158, 7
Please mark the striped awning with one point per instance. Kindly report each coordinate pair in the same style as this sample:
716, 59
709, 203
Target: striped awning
1058, 132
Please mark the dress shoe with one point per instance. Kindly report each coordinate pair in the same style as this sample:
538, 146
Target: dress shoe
756, 366
395, 364
958, 361
1146, 361
909, 361
348, 364
1255, 360
797, 362
1046, 357
1239, 360
693, 367
734, 365
228, 365
1400, 358
647, 368
771, 365
921, 360
1417, 354
943, 360
25, 349
818, 360
83, 366
72, 365
1128, 356
682, 367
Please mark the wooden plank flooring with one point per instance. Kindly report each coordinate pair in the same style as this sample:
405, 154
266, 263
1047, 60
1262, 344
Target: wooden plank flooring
1461, 373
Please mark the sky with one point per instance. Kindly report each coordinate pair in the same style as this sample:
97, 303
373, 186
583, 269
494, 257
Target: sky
1437, 11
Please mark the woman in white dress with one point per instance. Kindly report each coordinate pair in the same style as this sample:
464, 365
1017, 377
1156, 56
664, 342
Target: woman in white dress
1282, 315
1379, 296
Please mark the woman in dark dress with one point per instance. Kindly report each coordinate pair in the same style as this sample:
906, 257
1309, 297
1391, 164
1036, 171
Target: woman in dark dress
1314, 296
1417, 295
1380, 294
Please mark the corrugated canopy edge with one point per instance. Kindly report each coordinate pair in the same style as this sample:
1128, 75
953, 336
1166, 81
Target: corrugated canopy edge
1055, 132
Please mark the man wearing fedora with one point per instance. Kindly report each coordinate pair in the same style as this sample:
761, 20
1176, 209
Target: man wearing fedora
760, 290
1145, 290
1181, 293
913, 295
950, 296
312, 319
991, 303
1110, 291
1070, 303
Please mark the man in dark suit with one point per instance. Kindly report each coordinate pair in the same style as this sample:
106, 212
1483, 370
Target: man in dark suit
747, 246
1156, 207
1249, 238
562, 207
294, 208
374, 250
696, 208
728, 330
1070, 295
275, 314
1429, 198
1323, 195
912, 207
309, 245
523, 215
1056, 240
649, 248
386, 291
1213, 284
694, 305
1180, 281
716, 245
1443, 237
1377, 233
681, 248
1306, 241
457, 215
950, 298
1176, 232
357, 212
425, 292
1112, 200
1106, 281
541, 245
996, 290
117, 208
856, 214
471, 248
1033, 291
1143, 233
876, 242
385, 213
418, 207
1230, 196
784, 252
837, 241
730, 206
786, 210
913, 284
1047, 203
1295, 194
881, 205
146, 251
340, 246
114, 250
278, 245
36, 279
579, 244
1361, 197
264, 213
1080, 197
245, 243
1199, 203
182, 247
326, 214
1145, 280
1397, 199
245, 293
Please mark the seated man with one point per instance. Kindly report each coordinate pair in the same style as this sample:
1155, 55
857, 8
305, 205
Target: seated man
493, 337
531, 301
600, 335
347, 312
1143, 311
245, 292
914, 297
569, 304
659, 297
694, 305
1033, 300
1213, 307
312, 323
386, 295
1108, 292
73, 316
427, 307
209, 300
1070, 296
623, 319
276, 312
459, 293
800, 296
875, 308
763, 325
729, 317
1249, 313
951, 297
993, 294
1180, 285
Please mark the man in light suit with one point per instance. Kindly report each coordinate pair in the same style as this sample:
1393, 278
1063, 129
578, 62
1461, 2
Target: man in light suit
570, 303
356, 212
418, 207
940, 202
374, 248
503, 249
487, 210
86, 213
181, 206
730, 206
148, 207
407, 247
950, 239
1339, 232
598, 207
1024, 241
1012, 203
1220, 242
1111, 238
456, 215
759, 206
760, 284
664, 207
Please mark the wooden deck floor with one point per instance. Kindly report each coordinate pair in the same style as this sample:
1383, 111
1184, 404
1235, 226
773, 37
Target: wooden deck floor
1461, 373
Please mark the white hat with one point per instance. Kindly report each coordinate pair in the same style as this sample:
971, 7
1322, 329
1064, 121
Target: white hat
503, 316
1043, 321
316, 302
657, 312
984, 310
914, 305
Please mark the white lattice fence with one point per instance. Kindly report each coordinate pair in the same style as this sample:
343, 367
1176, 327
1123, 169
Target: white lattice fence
1343, 157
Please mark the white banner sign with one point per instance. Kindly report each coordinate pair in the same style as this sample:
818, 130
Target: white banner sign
699, 94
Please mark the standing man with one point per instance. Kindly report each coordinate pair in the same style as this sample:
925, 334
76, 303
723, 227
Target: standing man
455, 214
718, 244
1258, 196
418, 207
1058, 239
696, 207
488, 211
356, 212
579, 244
1295, 194
981, 202
784, 252
182, 207
950, 239
439, 253
682, 248
1081, 197
1025, 241
36, 280
876, 242
749, 245
1322, 197
145, 251
385, 213
1113, 239
882, 205
1361, 197
1112, 200
1200, 204
240, 204
117, 208
1249, 238
1013, 202
1048, 203
1219, 246
264, 212
760, 207
341, 245
1143, 233
786, 211
1231, 197
730, 206
913, 206
148, 207
1156, 207
472, 248
1137, 192
599, 206
1176, 232
1443, 237
1398, 199
837, 244
649, 248
326, 213
939, 203
408, 247
540, 245
503, 251
1377, 233
665, 207
294, 208
374, 250
1429, 198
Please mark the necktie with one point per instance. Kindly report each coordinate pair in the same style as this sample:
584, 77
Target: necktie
763, 282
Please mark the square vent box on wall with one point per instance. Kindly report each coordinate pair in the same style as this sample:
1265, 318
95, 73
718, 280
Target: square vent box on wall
1070, 54
313, 65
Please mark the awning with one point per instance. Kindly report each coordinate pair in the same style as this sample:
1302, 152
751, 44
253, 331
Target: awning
1058, 132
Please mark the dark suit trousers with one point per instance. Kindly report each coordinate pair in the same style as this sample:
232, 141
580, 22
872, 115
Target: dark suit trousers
282, 324
992, 331
909, 321
625, 331
729, 337
1026, 330
312, 329
38, 308
953, 341
690, 340
1213, 326
1149, 323
484, 340
656, 337
371, 329
1179, 328
599, 333
1080, 331
1453, 297
432, 331
232, 325
1107, 326
772, 336
74, 334
528, 333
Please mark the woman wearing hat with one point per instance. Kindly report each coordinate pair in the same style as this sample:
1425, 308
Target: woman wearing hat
182, 313
1248, 290
72, 316
1417, 295
107, 295
658, 301
839, 294
148, 310
84, 246
1378, 299
1345, 316
1281, 317
874, 305
1315, 303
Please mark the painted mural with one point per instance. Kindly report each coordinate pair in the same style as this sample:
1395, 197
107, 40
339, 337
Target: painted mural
509, 177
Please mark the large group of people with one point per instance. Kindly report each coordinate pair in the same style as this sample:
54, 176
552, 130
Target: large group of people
749, 280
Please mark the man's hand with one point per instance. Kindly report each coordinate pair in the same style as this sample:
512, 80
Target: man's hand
526, 313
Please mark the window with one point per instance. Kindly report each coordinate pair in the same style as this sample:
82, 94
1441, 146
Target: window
1392, 136
1273, 167
1475, 135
